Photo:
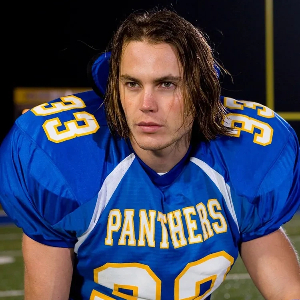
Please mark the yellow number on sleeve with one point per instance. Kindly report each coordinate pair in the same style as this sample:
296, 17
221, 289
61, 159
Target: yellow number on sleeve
68, 102
262, 110
249, 124
72, 128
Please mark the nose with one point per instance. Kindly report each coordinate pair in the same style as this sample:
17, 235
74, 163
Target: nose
149, 101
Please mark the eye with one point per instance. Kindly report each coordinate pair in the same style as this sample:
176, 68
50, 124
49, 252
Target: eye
132, 84
167, 84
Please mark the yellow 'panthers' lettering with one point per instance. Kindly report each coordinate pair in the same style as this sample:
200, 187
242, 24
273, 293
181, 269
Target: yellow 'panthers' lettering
191, 225
205, 223
176, 228
201, 223
128, 229
164, 244
147, 229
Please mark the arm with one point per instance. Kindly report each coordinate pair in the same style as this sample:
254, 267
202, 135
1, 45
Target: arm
273, 266
48, 271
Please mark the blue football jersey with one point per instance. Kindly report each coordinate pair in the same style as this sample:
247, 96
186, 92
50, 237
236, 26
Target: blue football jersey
67, 182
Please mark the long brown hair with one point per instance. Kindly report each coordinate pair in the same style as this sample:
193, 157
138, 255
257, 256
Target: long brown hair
201, 88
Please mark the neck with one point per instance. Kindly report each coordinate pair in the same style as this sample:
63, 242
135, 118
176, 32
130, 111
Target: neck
162, 160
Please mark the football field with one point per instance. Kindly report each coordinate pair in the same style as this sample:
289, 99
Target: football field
237, 286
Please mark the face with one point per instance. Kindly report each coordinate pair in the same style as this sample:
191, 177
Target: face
151, 95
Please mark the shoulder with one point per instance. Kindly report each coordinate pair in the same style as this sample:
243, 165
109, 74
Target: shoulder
60, 151
262, 145
65, 122
63, 131
257, 167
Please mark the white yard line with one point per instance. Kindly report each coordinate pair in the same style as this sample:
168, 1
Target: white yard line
238, 276
11, 293
6, 260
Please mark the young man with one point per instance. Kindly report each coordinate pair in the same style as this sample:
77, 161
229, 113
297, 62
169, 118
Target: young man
153, 194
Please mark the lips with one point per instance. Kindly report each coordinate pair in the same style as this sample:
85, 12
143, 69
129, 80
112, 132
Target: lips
149, 127
148, 124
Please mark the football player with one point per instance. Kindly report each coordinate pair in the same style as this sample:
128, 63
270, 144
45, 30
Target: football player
150, 185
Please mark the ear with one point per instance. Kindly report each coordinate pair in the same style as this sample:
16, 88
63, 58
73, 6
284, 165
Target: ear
97, 71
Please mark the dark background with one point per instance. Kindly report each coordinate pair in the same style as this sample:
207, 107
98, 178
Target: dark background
49, 45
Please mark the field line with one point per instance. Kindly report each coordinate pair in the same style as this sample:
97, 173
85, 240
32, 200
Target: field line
238, 276
11, 293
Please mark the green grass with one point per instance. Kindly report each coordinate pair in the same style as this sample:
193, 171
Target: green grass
11, 275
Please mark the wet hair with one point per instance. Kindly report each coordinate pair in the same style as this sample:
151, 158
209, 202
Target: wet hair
201, 87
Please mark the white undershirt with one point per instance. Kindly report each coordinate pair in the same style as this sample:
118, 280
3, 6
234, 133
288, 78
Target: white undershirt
162, 173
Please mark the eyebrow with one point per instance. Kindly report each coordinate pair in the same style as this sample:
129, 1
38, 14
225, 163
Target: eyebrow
160, 79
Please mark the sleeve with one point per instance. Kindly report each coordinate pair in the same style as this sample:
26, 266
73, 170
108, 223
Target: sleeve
278, 197
33, 193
